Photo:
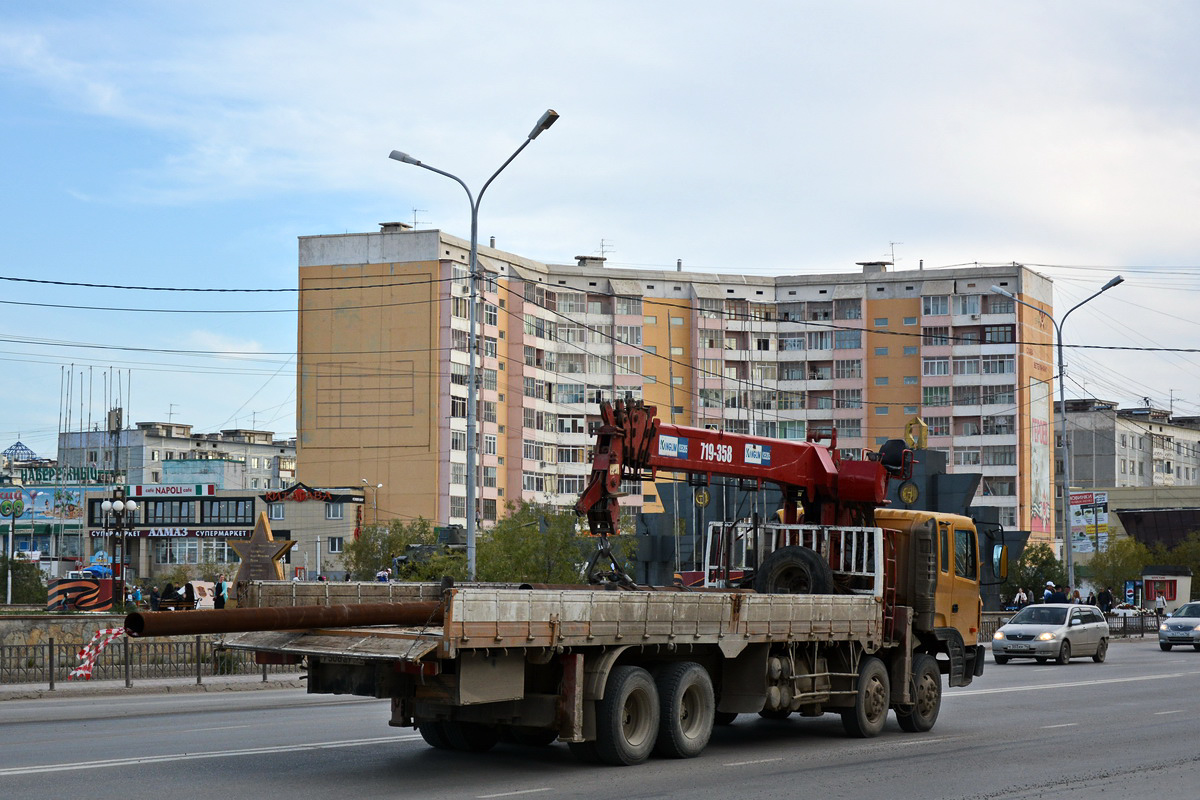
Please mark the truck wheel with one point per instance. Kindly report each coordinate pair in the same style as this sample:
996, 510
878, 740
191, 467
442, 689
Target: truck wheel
686, 706
1064, 653
470, 737
627, 717
1101, 651
927, 695
434, 734
794, 570
870, 701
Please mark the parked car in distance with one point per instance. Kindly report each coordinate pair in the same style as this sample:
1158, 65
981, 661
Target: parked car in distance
1052, 630
1181, 627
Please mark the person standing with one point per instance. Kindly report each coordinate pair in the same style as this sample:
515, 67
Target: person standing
154, 598
1105, 600
1091, 598
1049, 591
1160, 605
1021, 600
219, 592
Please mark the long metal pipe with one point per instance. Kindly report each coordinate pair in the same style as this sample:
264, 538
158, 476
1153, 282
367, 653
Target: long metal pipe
235, 620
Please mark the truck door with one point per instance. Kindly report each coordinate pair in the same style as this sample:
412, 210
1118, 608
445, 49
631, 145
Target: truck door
958, 578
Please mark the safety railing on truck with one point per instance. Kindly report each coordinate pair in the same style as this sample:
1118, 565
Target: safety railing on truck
851, 552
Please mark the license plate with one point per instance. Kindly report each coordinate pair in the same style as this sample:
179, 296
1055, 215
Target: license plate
1020, 647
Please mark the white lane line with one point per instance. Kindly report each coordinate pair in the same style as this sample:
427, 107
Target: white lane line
249, 751
1063, 725
221, 728
756, 761
956, 693
1160, 713
519, 791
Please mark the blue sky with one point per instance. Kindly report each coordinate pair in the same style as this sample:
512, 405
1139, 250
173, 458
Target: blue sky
188, 145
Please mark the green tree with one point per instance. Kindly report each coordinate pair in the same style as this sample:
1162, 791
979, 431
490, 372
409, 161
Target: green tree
27, 585
1122, 561
535, 544
416, 540
1036, 565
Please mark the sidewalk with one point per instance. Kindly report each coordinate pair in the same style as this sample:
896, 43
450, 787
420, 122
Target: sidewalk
221, 683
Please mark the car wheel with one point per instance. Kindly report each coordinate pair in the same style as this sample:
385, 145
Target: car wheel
1196, 647
1001, 659
1064, 653
1041, 659
1101, 651
1164, 647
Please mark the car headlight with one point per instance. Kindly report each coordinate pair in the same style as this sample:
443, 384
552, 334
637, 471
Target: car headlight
998, 635
1197, 628
1047, 636
1163, 627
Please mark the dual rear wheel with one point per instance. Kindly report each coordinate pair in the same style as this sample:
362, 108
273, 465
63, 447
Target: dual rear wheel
669, 713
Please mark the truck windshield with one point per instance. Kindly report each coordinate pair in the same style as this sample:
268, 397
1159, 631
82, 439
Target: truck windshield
1035, 615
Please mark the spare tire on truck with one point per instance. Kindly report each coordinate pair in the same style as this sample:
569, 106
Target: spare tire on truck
794, 570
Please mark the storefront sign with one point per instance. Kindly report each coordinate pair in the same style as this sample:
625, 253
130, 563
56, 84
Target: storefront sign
172, 490
176, 533
54, 475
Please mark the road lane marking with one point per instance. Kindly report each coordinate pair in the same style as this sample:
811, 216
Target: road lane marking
747, 763
249, 751
518, 791
220, 728
1176, 711
1063, 725
1070, 685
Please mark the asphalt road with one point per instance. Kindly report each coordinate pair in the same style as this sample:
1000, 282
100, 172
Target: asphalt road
1122, 729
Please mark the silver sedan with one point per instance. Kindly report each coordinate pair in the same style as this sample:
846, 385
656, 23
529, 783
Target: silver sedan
1052, 630
1182, 627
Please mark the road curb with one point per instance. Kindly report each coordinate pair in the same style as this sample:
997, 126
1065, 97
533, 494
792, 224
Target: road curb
84, 690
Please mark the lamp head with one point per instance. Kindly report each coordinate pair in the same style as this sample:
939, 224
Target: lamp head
544, 122
107, 506
405, 157
1112, 283
1004, 292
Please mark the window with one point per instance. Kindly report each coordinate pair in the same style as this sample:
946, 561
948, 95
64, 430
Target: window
458, 473
935, 366
998, 365
170, 512
882, 381
938, 426
628, 334
910, 350
966, 304
458, 440
629, 306
333, 510
935, 337
849, 428
881, 322
881, 351
966, 395
488, 508
849, 308
847, 340
911, 380
820, 340
848, 398
851, 368
275, 511
910, 320
966, 366
1004, 425
650, 319
458, 406
791, 429
935, 395
458, 506
491, 314
935, 305
998, 334
227, 512
882, 411
966, 456
965, 560
999, 395
1000, 455
335, 544
489, 477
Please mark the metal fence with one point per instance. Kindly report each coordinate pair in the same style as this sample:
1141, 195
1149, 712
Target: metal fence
131, 660
1119, 627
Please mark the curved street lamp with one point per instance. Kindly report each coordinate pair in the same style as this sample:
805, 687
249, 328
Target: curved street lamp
1062, 404
544, 122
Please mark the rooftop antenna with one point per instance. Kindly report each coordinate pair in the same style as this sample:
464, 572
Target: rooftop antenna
605, 248
893, 249
418, 211
170, 413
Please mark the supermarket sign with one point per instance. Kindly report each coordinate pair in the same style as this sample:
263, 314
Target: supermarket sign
172, 490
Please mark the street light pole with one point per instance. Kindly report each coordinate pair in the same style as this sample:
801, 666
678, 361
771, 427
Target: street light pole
374, 499
544, 122
122, 512
1068, 544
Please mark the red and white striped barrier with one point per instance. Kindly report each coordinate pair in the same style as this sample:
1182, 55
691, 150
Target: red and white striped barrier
92, 650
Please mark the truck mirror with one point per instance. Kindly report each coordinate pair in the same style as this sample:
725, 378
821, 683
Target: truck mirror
1000, 561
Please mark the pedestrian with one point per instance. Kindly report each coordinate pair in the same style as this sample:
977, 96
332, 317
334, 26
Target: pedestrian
1091, 598
154, 598
189, 596
220, 589
1049, 591
381, 576
137, 596
1105, 600
1058, 595
1021, 600
169, 596
1075, 598
1160, 605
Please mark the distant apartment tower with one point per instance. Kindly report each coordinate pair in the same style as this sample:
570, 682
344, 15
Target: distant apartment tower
1113, 447
383, 330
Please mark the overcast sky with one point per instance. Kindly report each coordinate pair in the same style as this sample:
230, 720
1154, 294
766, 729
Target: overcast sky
188, 145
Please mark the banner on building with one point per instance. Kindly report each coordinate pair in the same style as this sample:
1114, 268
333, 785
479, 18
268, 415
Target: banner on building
1089, 521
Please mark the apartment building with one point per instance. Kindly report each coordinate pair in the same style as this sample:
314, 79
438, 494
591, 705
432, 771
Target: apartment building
383, 362
1115, 447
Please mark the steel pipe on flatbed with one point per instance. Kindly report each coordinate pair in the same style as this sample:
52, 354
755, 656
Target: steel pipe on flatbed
236, 620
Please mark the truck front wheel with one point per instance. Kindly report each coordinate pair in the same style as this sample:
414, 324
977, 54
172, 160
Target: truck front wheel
926, 693
686, 709
870, 701
627, 718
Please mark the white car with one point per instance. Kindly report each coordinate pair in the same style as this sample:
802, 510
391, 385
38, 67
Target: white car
1052, 630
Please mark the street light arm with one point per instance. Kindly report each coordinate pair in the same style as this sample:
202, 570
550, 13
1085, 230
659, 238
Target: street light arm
1114, 282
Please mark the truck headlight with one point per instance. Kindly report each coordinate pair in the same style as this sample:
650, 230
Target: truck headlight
1047, 636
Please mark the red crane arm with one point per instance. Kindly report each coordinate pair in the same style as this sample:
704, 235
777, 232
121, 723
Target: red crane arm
631, 442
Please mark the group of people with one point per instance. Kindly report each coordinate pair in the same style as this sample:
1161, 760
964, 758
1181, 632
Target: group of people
1056, 594
178, 597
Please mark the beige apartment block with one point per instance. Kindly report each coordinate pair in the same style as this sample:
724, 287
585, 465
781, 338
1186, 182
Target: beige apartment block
383, 368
